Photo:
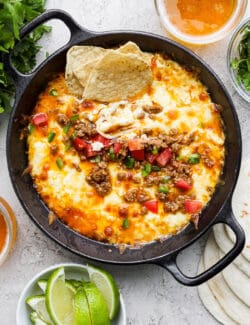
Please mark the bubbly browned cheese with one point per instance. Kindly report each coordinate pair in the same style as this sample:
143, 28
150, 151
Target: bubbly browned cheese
131, 171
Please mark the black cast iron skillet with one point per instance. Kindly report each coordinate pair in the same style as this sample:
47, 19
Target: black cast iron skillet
164, 254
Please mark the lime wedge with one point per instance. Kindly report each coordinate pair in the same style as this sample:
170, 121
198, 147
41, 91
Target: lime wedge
36, 320
59, 299
107, 286
98, 309
42, 284
37, 304
75, 283
81, 308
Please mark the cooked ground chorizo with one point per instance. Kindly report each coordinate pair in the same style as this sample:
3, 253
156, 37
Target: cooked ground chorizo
62, 119
54, 149
142, 196
131, 195
171, 206
123, 211
121, 176
152, 109
99, 178
84, 129
207, 161
162, 196
108, 231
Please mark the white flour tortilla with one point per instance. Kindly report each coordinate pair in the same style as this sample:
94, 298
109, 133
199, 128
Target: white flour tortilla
241, 206
238, 281
233, 306
225, 245
210, 302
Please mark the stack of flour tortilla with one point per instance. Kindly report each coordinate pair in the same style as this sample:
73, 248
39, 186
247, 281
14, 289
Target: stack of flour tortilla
227, 295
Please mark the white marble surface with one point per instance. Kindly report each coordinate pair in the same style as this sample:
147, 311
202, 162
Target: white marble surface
151, 295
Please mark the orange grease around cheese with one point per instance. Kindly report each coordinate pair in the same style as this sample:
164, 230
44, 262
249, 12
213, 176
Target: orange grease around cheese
3, 232
199, 17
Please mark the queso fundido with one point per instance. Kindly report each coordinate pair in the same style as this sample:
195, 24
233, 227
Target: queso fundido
125, 157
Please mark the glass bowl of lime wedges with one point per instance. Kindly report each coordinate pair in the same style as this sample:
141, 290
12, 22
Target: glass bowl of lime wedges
238, 59
71, 294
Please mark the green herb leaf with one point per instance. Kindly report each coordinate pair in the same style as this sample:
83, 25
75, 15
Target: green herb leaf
68, 146
59, 163
163, 189
165, 179
125, 223
74, 118
129, 162
155, 168
241, 63
96, 159
14, 14
51, 136
146, 169
31, 128
155, 151
53, 92
66, 128
194, 158
112, 155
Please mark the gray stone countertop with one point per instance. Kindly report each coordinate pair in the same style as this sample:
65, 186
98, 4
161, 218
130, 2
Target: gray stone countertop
151, 294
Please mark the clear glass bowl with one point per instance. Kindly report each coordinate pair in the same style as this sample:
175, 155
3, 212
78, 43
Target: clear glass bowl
233, 53
10, 220
224, 31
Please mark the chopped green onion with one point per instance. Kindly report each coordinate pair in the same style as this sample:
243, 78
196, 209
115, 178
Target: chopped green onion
194, 158
180, 157
155, 168
129, 162
68, 146
163, 189
146, 169
125, 223
66, 128
155, 151
112, 155
96, 159
59, 163
31, 128
53, 92
51, 136
73, 135
74, 118
165, 179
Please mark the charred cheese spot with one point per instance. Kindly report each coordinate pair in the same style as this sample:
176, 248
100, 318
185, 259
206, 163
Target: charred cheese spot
60, 175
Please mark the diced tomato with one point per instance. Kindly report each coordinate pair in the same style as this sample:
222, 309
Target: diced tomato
90, 152
79, 144
150, 157
138, 154
106, 142
135, 144
192, 206
183, 185
164, 157
117, 147
40, 119
152, 205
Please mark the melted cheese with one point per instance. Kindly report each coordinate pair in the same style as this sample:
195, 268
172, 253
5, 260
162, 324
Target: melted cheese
66, 190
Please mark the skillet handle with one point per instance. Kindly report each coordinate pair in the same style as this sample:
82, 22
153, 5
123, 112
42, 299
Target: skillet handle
227, 218
76, 33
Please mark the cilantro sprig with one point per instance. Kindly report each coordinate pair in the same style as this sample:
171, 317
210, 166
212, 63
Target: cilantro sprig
14, 14
241, 64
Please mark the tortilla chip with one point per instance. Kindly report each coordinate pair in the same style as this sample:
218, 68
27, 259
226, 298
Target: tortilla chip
82, 73
77, 58
118, 76
132, 48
